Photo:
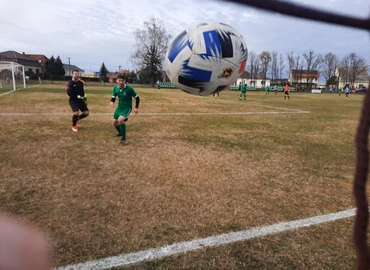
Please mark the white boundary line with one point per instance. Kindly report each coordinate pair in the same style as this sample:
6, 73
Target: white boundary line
3, 94
156, 114
169, 114
263, 106
280, 108
222, 239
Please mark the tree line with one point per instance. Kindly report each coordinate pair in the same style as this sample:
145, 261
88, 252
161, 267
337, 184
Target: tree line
151, 44
274, 65
54, 67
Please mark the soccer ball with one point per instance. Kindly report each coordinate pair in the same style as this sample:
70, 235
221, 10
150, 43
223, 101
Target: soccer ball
206, 59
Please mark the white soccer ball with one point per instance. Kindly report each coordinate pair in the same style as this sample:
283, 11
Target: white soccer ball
206, 59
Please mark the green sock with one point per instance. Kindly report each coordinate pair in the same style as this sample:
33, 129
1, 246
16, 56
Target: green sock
118, 129
123, 130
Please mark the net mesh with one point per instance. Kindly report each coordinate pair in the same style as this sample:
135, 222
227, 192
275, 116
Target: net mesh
11, 76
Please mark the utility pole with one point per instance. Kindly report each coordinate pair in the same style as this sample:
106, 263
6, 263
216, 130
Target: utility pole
119, 68
69, 66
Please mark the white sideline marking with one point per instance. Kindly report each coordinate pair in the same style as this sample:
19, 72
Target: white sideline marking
3, 94
280, 108
154, 114
222, 239
263, 106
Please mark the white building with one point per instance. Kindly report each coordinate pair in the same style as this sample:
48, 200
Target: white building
28, 63
304, 78
69, 68
257, 82
343, 78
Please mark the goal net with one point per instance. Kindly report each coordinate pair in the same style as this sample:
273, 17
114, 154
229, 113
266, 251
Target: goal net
12, 76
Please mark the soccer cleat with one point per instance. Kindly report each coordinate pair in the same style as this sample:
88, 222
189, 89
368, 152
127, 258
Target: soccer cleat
122, 141
78, 123
74, 128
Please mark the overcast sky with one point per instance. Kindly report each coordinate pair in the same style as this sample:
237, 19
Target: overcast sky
93, 31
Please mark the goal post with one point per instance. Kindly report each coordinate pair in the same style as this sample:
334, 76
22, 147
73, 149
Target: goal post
12, 76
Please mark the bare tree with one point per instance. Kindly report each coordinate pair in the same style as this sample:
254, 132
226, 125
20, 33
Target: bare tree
274, 66
357, 67
297, 61
313, 61
252, 58
291, 61
257, 69
150, 48
329, 64
344, 69
296, 64
265, 59
281, 65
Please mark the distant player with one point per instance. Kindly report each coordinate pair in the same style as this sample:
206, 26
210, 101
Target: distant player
216, 95
275, 89
243, 91
347, 91
77, 99
158, 83
340, 91
125, 93
286, 91
267, 90
331, 90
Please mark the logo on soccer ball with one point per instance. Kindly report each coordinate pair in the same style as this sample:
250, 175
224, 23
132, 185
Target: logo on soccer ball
206, 58
226, 73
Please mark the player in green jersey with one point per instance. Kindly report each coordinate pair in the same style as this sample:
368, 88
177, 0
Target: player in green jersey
267, 89
340, 91
243, 91
125, 93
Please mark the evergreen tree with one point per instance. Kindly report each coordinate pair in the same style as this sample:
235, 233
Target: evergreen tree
50, 65
332, 81
58, 67
103, 73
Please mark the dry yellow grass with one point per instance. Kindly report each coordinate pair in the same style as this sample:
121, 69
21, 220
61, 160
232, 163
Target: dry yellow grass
327, 246
179, 177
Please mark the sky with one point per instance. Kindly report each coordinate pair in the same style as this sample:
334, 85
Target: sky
90, 32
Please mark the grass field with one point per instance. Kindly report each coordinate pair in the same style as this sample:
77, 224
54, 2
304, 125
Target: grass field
193, 167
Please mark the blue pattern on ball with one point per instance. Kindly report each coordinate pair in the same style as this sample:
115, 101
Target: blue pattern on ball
196, 74
177, 46
212, 42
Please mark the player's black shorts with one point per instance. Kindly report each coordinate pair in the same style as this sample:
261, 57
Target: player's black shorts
286, 93
78, 105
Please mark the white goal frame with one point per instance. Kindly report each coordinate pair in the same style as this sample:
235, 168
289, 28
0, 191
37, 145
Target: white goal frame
13, 67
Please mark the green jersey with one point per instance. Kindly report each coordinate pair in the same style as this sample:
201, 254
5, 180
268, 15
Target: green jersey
244, 88
340, 90
124, 95
267, 88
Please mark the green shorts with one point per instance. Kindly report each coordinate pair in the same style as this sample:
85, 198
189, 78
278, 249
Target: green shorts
124, 112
